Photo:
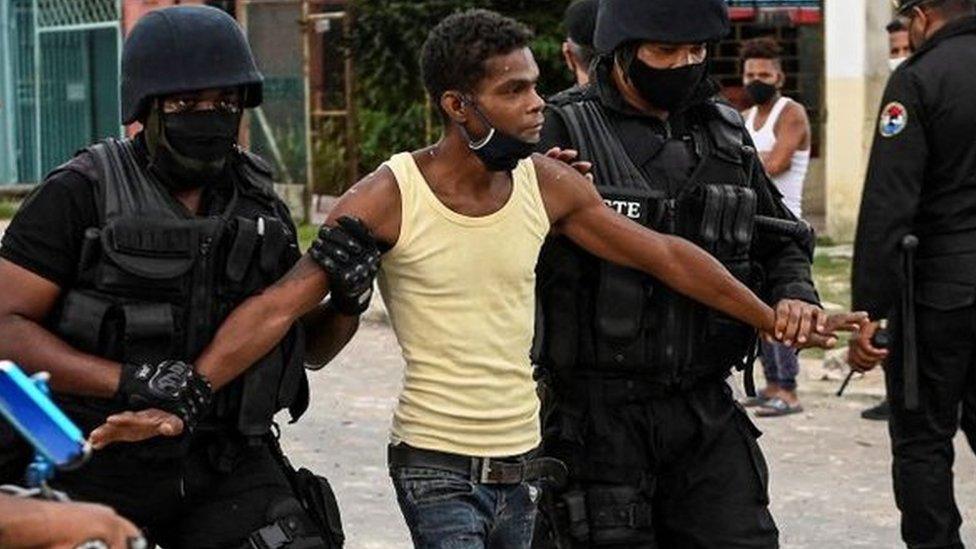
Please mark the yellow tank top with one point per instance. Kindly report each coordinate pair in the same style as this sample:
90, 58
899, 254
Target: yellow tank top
460, 292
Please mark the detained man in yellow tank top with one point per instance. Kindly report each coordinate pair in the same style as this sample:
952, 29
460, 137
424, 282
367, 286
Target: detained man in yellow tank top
463, 221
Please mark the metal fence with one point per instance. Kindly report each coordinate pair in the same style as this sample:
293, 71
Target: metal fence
61, 85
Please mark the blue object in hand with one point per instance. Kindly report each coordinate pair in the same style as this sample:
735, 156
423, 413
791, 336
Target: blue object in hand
26, 404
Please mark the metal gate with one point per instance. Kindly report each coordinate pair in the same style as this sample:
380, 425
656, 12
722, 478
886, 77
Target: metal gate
62, 80
307, 124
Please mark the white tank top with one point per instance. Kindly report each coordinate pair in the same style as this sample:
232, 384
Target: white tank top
790, 182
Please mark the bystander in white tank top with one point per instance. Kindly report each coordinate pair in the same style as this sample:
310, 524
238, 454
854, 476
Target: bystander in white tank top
790, 182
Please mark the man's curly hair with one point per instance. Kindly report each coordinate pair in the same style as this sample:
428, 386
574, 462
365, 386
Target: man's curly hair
455, 52
761, 48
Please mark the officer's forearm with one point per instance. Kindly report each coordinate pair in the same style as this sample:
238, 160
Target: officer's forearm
35, 349
258, 324
326, 333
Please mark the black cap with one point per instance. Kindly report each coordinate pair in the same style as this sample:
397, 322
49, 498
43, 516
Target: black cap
580, 21
667, 21
182, 49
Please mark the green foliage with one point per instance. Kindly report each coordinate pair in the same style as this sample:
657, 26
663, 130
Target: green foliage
306, 234
393, 111
8, 209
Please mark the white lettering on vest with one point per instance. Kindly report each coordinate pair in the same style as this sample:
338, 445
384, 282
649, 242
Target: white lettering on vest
626, 208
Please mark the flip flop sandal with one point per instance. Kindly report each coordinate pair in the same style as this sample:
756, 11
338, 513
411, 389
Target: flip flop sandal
776, 407
752, 402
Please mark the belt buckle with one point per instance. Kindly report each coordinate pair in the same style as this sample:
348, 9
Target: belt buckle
484, 476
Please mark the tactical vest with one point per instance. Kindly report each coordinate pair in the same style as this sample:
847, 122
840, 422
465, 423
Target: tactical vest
600, 318
155, 282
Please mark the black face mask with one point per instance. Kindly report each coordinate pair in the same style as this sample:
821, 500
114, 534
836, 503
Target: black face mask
190, 150
667, 89
760, 92
499, 151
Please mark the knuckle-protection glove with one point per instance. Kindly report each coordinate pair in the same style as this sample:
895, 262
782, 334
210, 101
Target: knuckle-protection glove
171, 385
351, 257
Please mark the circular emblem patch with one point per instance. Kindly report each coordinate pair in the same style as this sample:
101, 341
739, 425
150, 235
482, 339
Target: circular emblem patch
894, 119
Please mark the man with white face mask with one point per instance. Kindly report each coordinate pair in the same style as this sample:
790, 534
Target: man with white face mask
899, 46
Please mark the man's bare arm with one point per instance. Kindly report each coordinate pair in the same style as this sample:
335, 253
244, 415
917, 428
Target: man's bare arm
26, 299
792, 135
258, 324
327, 332
577, 211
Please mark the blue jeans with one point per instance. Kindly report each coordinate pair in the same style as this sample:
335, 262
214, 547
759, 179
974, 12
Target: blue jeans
780, 365
445, 510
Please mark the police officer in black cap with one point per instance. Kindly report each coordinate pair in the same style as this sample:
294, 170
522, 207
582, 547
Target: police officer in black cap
578, 50
660, 453
915, 261
119, 269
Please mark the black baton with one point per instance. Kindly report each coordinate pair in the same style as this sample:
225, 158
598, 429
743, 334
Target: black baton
880, 340
798, 230
909, 244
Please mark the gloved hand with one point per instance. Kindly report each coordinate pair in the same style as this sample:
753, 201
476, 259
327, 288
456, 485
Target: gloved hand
350, 256
171, 385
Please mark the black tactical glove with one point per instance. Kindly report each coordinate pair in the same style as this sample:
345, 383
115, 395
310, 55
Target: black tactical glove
350, 256
171, 385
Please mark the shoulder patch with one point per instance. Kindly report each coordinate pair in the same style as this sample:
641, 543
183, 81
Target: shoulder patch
894, 119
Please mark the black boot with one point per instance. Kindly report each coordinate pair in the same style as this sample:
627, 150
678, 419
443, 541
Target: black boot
881, 412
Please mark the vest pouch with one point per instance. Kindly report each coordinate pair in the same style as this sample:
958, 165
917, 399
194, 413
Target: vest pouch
150, 332
723, 342
726, 219
293, 387
147, 257
559, 271
259, 394
81, 320
622, 294
243, 275
274, 243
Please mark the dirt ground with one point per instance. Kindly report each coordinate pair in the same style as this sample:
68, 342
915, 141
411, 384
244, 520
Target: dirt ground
830, 484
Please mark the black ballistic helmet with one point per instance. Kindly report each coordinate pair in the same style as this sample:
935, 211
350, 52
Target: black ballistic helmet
666, 21
182, 49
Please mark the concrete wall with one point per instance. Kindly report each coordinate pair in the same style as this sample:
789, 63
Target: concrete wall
856, 72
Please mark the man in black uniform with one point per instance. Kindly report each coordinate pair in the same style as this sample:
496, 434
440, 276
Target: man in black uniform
659, 452
580, 23
130, 255
920, 182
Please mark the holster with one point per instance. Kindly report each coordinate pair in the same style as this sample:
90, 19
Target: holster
316, 496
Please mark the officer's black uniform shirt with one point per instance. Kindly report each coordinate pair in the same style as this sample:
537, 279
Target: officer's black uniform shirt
667, 154
922, 174
46, 235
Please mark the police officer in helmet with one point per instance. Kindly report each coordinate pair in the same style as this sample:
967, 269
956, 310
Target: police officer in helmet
659, 453
121, 266
915, 262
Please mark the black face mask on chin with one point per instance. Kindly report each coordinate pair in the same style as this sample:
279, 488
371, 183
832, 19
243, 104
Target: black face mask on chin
190, 150
666, 89
498, 151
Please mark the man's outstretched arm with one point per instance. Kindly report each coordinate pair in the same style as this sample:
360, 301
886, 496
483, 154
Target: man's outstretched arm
577, 211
